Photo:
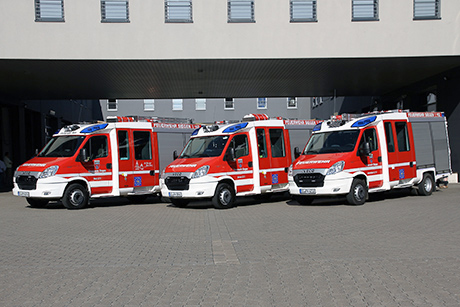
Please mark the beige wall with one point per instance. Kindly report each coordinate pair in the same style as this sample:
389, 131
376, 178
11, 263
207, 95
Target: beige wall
147, 36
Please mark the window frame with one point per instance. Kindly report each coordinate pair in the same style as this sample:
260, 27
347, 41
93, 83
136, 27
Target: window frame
175, 104
290, 99
112, 101
168, 7
228, 100
38, 11
104, 18
375, 5
308, 4
199, 108
437, 10
233, 4
150, 102
262, 103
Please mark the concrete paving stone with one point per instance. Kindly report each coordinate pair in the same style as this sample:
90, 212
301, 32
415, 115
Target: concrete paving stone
399, 251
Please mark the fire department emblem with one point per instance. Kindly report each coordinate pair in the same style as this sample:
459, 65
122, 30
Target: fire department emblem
402, 174
97, 164
137, 181
240, 163
274, 178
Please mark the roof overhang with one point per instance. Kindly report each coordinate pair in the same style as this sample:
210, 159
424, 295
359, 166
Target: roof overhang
214, 78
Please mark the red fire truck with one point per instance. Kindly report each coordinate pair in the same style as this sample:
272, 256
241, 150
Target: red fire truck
121, 157
251, 157
356, 155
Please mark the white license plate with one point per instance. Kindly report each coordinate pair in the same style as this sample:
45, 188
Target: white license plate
175, 194
24, 194
308, 191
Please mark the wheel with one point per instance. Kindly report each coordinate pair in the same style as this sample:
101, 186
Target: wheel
426, 186
303, 200
358, 192
224, 196
180, 203
137, 199
37, 202
75, 197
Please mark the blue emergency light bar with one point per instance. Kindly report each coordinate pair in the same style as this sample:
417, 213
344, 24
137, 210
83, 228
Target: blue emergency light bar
94, 128
364, 122
235, 127
317, 127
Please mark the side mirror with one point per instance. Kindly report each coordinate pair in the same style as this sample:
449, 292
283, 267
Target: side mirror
296, 152
365, 149
83, 155
230, 155
175, 155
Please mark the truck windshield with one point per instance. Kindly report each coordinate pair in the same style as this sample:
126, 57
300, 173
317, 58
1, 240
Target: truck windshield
332, 142
209, 146
62, 146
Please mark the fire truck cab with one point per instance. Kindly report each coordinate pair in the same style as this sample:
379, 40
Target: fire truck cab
251, 157
121, 157
356, 155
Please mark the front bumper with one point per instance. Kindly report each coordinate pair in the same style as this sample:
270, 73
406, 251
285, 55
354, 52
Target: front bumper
49, 188
198, 188
333, 185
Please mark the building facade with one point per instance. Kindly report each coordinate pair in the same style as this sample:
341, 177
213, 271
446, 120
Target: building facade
208, 110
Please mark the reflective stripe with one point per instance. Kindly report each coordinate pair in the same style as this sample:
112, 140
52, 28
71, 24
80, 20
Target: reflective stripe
272, 170
402, 164
100, 183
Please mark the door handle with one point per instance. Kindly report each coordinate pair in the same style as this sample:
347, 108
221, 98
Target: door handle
109, 165
250, 164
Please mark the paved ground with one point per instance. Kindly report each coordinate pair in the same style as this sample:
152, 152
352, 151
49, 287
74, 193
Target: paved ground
402, 250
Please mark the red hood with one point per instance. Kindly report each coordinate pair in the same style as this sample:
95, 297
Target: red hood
319, 161
188, 165
39, 164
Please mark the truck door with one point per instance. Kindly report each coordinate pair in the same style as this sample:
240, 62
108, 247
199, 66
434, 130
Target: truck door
98, 166
125, 161
372, 164
145, 174
264, 159
401, 154
242, 167
273, 159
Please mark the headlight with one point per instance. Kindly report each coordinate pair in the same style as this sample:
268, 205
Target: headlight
50, 171
336, 168
290, 171
201, 172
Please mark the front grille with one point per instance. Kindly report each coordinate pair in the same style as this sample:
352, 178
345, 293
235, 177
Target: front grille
314, 180
26, 182
177, 183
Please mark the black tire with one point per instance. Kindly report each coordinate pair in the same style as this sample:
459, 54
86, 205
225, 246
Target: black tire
37, 202
224, 196
303, 200
358, 192
180, 203
427, 185
75, 197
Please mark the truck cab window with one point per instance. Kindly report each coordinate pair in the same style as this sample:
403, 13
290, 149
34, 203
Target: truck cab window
277, 143
261, 144
142, 145
401, 136
389, 137
240, 144
96, 147
370, 137
123, 145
